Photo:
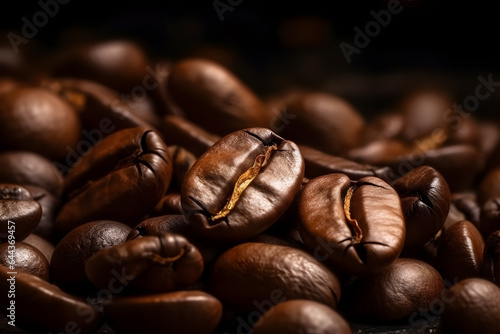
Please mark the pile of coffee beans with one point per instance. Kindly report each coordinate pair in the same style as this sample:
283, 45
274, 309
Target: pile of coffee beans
140, 195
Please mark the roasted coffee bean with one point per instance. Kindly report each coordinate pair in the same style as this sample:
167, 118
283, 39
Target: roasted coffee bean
28, 168
19, 212
460, 253
34, 119
405, 287
490, 217
45, 247
122, 179
42, 307
454, 216
209, 94
491, 258
182, 160
154, 264
319, 163
387, 125
50, 206
473, 307
323, 121
175, 312
466, 202
425, 200
380, 152
358, 227
68, 260
179, 131
25, 257
251, 274
489, 187
242, 184
170, 204
301, 316
466, 132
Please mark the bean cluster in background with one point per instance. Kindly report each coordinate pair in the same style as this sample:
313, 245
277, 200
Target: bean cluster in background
166, 196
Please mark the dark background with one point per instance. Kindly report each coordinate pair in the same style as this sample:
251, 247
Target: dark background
278, 45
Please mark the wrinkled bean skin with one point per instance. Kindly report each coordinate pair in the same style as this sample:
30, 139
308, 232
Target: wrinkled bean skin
209, 188
460, 253
474, 307
371, 241
158, 264
252, 272
405, 287
123, 178
18, 207
209, 94
425, 200
491, 258
68, 260
490, 217
34, 295
175, 312
26, 258
301, 317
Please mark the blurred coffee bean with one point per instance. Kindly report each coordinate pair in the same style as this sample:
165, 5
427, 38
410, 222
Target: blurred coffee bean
212, 96
23, 256
489, 186
34, 119
473, 306
242, 184
45, 247
183, 312
8, 85
42, 307
466, 202
182, 160
454, 216
155, 264
251, 274
322, 121
384, 126
460, 253
358, 227
50, 206
19, 214
489, 133
68, 260
122, 179
467, 131
490, 217
491, 258
28, 168
425, 200
301, 316
380, 152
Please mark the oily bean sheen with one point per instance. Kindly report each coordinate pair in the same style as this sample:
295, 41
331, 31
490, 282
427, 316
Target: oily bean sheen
19, 212
405, 287
425, 200
121, 179
27, 258
175, 312
161, 263
42, 307
490, 217
474, 307
252, 273
357, 226
209, 94
460, 253
301, 317
242, 184
491, 258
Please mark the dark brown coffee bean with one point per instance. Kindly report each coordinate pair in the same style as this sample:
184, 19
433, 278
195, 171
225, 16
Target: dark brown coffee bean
460, 253
29, 168
175, 312
42, 307
155, 264
425, 200
387, 125
50, 206
122, 179
465, 132
242, 184
209, 94
179, 131
489, 187
466, 202
182, 160
490, 217
301, 316
251, 274
454, 216
68, 260
45, 247
357, 226
319, 163
23, 256
491, 258
19, 212
379, 153
405, 287
34, 119
170, 204
474, 307
323, 121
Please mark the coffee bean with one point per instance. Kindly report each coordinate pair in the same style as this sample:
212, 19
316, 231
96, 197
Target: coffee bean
490, 217
491, 258
25, 257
